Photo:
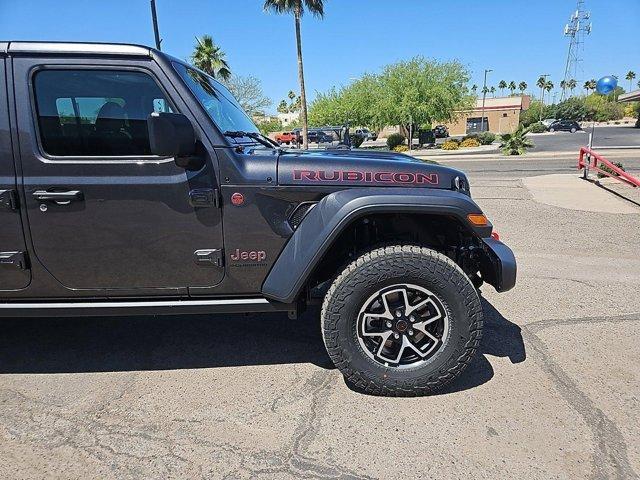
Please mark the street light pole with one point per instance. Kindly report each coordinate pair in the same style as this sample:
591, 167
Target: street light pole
544, 84
484, 97
154, 17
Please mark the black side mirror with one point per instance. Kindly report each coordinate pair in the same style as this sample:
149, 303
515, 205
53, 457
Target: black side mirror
172, 135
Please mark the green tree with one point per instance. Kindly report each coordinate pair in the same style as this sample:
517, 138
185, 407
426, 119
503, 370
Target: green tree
297, 8
512, 87
283, 107
248, 92
548, 86
571, 85
522, 86
485, 90
502, 85
269, 126
474, 88
209, 58
493, 91
409, 93
572, 108
631, 75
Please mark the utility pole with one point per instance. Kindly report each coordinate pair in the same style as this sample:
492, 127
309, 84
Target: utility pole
484, 97
542, 94
577, 29
154, 17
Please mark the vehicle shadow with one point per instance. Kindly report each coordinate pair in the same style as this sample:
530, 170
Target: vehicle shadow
108, 344
112, 344
500, 338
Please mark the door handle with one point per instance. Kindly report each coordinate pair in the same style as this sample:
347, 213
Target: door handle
58, 197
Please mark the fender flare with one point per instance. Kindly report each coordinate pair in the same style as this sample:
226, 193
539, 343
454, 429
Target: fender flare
322, 225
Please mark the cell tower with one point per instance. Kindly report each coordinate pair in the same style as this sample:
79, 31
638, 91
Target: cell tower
577, 29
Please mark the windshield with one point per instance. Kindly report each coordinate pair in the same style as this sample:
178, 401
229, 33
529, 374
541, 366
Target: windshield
217, 100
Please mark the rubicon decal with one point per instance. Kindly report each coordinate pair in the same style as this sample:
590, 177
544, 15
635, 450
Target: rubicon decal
365, 177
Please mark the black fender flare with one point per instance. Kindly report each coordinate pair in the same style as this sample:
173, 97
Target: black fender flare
322, 225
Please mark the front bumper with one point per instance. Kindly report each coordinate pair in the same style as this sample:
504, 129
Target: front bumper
498, 266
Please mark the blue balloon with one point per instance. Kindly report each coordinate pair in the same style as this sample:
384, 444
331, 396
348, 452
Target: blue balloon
606, 85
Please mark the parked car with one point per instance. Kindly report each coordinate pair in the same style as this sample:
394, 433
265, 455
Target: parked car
366, 134
441, 131
314, 136
119, 162
565, 126
285, 137
548, 121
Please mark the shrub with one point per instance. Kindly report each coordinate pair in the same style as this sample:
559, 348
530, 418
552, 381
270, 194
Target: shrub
538, 127
400, 148
394, 140
450, 145
487, 138
516, 143
608, 170
470, 143
474, 136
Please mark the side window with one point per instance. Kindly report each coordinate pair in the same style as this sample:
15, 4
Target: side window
96, 113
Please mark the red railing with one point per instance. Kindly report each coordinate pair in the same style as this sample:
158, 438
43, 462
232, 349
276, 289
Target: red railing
592, 161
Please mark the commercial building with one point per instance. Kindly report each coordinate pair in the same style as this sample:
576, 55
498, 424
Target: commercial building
501, 115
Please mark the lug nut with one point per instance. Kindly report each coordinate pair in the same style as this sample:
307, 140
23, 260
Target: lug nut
410, 332
389, 324
412, 318
398, 313
396, 335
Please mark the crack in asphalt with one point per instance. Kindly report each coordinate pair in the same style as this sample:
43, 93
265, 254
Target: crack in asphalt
610, 447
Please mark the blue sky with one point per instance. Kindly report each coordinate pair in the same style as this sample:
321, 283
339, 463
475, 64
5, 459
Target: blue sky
518, 39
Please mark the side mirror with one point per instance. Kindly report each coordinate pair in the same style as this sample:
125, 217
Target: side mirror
171, 135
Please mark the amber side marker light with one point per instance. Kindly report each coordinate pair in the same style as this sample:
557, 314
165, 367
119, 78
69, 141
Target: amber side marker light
478, 219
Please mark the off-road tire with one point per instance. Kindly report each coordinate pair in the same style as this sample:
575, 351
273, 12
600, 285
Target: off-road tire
395, 265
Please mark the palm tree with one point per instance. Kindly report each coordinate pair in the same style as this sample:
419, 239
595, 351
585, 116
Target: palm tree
296, 7
522, 86
493, 91
516, 143
563, 85
630, 76
541, 83
474, 88
571, 85
548, 86
502, 85
485, 90
209, 58
512, 87
587, 86
638, 83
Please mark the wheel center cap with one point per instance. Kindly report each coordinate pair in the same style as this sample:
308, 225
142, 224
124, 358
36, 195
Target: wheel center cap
402, 325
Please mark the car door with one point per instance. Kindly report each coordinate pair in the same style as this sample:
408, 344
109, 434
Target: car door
104, 213
14, 271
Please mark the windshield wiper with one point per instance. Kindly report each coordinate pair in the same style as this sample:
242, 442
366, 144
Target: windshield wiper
258, 137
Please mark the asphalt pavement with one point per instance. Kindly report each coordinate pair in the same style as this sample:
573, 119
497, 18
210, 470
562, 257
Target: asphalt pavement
552, 393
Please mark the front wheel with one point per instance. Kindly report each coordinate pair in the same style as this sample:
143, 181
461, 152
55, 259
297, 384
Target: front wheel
573, 130
401, 321
552, 130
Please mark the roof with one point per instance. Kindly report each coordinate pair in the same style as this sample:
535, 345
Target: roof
630, 97
501, 103
75, 48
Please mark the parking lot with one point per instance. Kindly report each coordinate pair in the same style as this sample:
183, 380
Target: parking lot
553, 392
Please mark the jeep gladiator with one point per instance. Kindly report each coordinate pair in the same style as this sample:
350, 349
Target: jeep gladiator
132, 183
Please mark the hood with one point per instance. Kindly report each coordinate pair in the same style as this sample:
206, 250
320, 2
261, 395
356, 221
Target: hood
363, 168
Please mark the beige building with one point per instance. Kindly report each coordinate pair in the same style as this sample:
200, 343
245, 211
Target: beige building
501, 115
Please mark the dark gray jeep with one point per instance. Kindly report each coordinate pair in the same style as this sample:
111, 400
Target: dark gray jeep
133, 183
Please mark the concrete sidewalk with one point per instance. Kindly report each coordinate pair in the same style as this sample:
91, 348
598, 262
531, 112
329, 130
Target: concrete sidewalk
572, 192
